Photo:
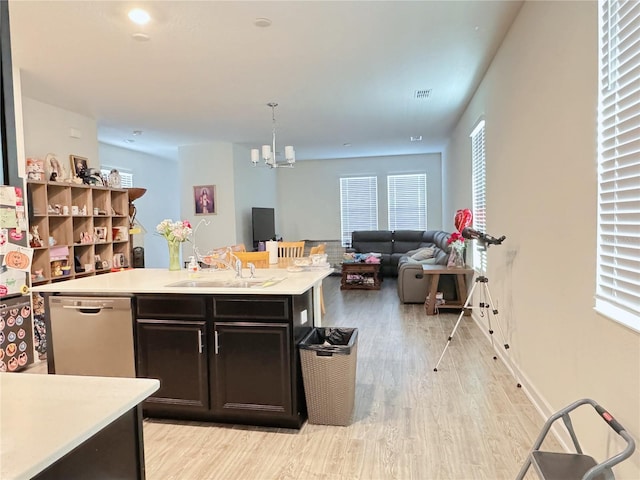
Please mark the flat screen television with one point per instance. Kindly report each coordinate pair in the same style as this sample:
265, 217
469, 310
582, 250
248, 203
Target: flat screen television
264, 225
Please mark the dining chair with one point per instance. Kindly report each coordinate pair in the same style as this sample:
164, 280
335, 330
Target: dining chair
319, 250
259, 259
291, 249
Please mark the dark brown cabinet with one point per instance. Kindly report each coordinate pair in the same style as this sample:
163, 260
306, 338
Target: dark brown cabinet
253, 370
174, 352
172, 345
224, 358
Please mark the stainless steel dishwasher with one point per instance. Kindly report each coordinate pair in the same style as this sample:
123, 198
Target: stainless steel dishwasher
92, 336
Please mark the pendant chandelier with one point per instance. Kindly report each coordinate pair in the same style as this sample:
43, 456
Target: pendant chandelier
269, 151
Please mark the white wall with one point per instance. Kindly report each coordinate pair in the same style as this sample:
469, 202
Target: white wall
539, 102
254, 187
309, 194
47, 130
208, 164
162, 199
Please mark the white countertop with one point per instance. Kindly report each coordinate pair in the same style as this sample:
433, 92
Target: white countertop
155, 280
43, 417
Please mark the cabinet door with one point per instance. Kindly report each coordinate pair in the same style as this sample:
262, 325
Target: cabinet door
175, 352
252, 370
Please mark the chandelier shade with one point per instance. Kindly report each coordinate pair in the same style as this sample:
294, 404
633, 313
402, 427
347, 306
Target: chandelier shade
268, 152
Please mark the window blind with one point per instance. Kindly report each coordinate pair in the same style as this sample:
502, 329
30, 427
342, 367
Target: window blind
618, 261
358, 206
479, 185
407, 201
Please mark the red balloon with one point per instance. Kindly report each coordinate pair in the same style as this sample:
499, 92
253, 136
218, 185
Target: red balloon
463, 219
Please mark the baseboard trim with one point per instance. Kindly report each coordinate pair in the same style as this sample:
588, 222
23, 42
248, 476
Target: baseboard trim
539, 402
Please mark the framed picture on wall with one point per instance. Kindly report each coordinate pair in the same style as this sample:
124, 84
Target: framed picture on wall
204, 197
79, 166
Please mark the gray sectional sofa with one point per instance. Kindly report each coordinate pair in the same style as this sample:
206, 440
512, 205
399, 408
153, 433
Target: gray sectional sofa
402, 256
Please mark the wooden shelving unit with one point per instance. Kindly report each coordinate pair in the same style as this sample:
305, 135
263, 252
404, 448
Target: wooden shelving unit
76, 225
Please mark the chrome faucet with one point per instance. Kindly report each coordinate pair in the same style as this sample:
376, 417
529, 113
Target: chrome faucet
238, 267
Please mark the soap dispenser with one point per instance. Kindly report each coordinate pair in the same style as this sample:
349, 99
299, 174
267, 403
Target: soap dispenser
193, 264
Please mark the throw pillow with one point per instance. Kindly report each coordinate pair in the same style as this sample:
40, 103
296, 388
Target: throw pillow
423, 253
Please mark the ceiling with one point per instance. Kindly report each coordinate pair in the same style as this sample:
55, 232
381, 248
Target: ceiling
342, 72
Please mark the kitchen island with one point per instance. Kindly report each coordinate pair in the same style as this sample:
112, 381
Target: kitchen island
278, 281
61, 426
224, 348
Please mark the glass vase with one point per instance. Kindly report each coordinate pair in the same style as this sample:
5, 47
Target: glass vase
174, 255
456, 258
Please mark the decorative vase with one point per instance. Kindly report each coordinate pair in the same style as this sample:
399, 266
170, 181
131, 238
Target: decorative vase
456, 258
174, 255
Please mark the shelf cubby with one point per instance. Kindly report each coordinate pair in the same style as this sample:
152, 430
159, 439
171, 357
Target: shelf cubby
68, 226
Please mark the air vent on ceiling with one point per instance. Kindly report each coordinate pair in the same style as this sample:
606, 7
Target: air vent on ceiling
421, 94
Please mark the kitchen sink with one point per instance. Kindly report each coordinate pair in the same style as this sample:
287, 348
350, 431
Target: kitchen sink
226, 283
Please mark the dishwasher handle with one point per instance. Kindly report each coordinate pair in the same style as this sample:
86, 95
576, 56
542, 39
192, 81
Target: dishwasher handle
87, 308
91, 305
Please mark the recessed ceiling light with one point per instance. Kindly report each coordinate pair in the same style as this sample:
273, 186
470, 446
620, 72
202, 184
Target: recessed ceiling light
139, 16
141, 37
262, 22
417, 138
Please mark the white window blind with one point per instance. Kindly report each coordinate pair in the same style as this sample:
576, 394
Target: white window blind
126, 179
618, 273
358, 206
407, 200
479, 185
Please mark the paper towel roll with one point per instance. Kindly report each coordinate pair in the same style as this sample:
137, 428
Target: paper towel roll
272, 248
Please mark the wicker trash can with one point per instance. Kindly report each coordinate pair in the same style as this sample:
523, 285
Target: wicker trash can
328, 357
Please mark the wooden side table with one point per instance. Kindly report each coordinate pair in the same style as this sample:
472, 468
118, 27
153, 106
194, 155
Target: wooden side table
362, 276
461, 287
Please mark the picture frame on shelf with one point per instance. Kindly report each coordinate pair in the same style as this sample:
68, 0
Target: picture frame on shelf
204, 197
35, 169
100, 234
54, 169
79, 166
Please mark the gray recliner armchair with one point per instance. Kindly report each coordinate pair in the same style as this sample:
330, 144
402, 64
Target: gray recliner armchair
412, 283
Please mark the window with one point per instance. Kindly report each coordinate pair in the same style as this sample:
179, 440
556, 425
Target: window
618, 287
407, 199
479, 185
358, 206
126, 178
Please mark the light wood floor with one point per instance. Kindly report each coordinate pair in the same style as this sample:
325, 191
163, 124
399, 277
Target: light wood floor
466, 421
